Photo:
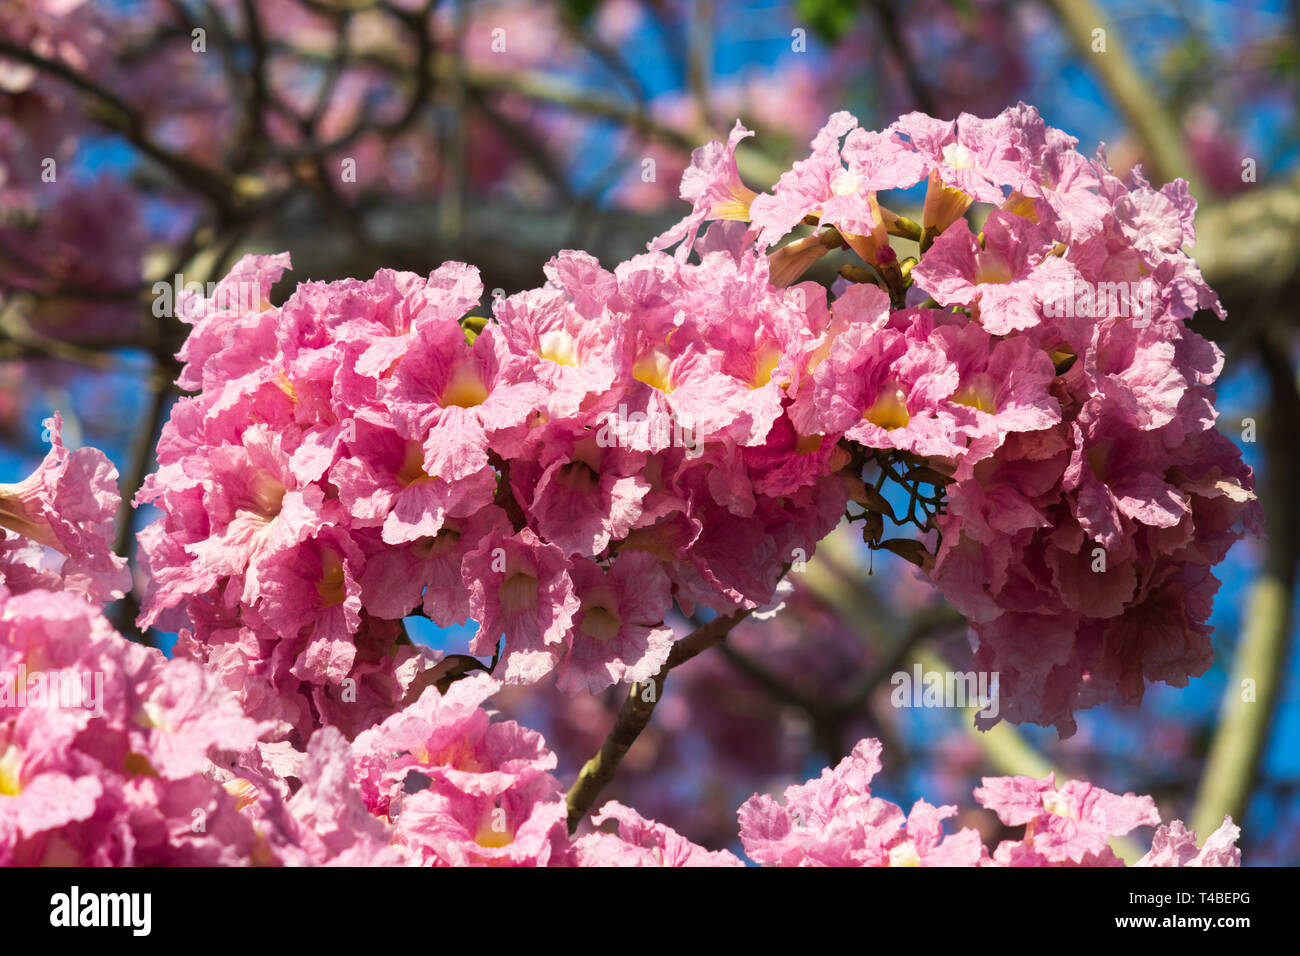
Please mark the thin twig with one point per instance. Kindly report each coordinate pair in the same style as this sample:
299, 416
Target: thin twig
896, 43
635, 714
115, 113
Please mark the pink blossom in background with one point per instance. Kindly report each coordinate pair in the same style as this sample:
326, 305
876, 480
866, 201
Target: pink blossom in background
641, 842
834, 821
69, 505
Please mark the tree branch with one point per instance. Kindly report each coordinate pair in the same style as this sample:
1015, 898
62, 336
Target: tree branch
1135, 98
896, 43
118, 115
1238, 745
635, 715
1006, 749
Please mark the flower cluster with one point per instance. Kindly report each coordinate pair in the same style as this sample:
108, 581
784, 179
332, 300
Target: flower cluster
834, 820
612, 443
459, 788
110, 753
675, 431
463, 790
1040, 372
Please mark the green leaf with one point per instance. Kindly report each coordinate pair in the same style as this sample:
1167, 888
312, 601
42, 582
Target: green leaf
829, 19
580, 10
964, 9
929, 476
473, 325
875, 501
908, 549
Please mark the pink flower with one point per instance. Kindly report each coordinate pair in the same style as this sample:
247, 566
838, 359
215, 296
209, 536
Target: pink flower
385, 315
712, 185
641, 842
460, 789
587, 491
968, 159
1175, 845
1005, 278
838, 194
618, 632
333, 825
426, 573
563, 337
525, 826
807, 184
455, 399
1058, 173
312, 600
677, 380
839, 187
69, 504
254, 507
834, 821
180, 714
520, 586
880, 386
105, 746
1070, 824
234, 329
382, 480
39, 794
1004, 386
448, 738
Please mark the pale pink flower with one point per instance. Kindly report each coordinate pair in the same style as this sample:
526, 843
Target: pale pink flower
618, 634
1070, 824
520, 587
1175, 845
712, 185
642, 842
68, 504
